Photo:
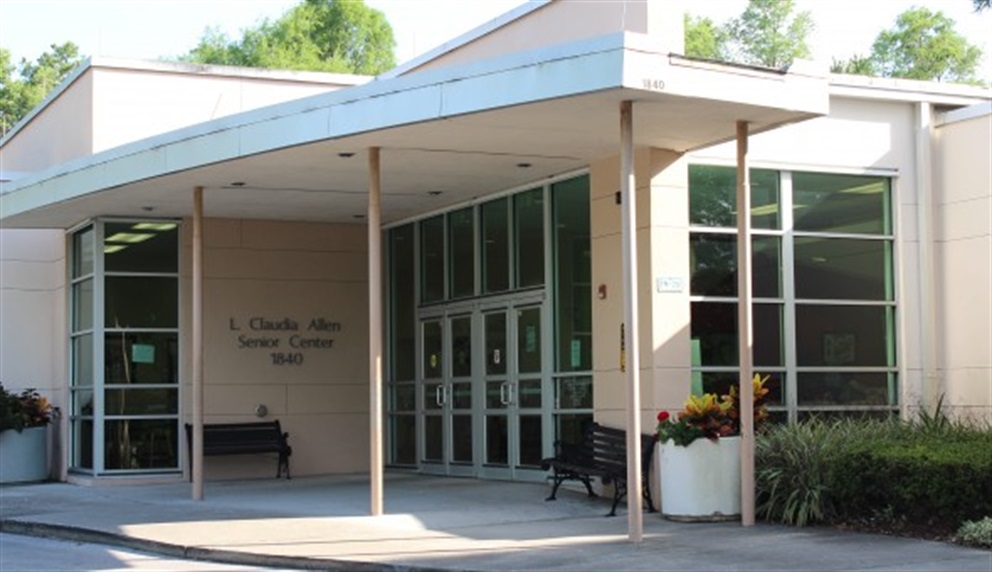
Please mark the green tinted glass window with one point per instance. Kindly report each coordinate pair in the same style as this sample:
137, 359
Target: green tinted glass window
495, 246
841, 203
573, 274
402, 307
461, 253
150, 246
432, 259
713, 197
843, 268
528, 213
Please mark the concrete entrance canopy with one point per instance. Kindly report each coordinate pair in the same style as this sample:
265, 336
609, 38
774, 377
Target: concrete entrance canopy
462, 131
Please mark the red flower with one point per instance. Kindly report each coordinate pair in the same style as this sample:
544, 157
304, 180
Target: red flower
663, 416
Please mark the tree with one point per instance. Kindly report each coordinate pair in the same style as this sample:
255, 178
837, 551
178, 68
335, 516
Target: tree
924, 45
982, 5
704, 39
768, 34
857, 65
24, 86
317, 35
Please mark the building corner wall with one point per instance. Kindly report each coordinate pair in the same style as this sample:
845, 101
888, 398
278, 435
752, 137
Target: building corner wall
33, 323
962, 246
663, 290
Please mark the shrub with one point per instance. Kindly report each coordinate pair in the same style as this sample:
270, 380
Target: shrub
976, 533
931, 471
939, 481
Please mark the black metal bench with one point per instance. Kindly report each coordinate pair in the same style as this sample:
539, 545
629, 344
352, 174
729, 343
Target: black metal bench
603, 454
242, 439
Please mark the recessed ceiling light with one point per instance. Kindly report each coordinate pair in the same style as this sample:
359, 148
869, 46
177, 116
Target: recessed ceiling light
523, 165
346, 155
148, 209
238, 184
433, 193
129, 237
358, 216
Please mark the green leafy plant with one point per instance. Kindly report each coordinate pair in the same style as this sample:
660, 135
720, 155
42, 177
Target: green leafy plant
976, 533
792, 471
19, 411
710, 416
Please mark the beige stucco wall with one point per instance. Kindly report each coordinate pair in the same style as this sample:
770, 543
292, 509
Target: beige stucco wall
32, 310
586, 19
62, 132
278, 271
129, 104
963, 263
662, 251
33, 320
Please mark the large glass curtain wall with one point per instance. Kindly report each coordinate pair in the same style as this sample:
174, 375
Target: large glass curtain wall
124, 347
494, 249
824, 303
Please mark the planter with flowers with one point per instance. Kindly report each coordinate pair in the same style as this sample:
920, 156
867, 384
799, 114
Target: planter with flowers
24, 417
700, 457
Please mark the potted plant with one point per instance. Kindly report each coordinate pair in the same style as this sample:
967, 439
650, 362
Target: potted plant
699, 461
23, 439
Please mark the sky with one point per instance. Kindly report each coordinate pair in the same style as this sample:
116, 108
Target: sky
163, 29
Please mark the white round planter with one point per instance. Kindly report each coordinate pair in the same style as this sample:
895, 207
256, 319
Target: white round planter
701, 482
24, 455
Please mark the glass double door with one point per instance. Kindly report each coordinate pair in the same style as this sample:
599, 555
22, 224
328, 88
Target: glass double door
484, 406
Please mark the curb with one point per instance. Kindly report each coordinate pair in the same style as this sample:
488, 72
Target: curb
77, 534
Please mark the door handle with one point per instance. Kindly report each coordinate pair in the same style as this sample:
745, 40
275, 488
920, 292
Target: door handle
506, 393
439, 395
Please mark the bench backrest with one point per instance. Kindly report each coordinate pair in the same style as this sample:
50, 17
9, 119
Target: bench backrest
233, 438
608, 446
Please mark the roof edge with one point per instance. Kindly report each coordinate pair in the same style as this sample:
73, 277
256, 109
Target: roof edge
229, 71
964, 114
93, 62
466, 38
867, 87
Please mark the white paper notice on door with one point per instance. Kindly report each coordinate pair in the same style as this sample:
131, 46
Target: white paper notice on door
143, 353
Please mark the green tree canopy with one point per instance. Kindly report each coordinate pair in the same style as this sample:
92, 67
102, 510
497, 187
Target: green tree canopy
704, 39
767, 33
318, 35
922, 45
25, 85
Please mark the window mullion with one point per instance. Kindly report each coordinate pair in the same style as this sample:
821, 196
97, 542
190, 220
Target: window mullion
98, 348
789, 294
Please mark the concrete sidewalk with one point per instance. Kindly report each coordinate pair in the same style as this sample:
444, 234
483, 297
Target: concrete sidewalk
438, 523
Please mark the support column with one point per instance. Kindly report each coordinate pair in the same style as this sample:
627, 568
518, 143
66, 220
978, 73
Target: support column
375, 335
197, 335
635, 521
745, 331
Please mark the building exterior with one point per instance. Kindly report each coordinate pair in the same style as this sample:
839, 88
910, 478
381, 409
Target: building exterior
502, 295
